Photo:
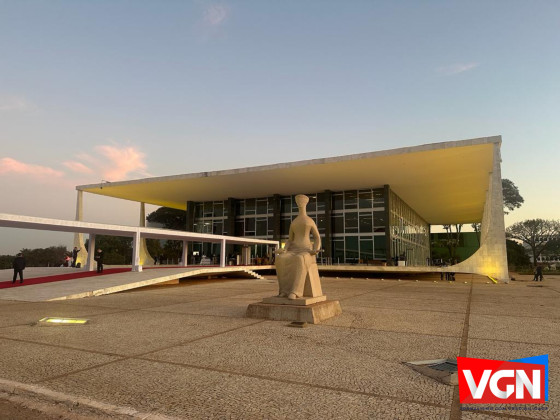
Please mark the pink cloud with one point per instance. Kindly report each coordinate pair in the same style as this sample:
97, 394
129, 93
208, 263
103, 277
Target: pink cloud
9, 165
119, 162
78, 167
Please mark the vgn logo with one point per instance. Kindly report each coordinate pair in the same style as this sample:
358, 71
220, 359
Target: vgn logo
520, 381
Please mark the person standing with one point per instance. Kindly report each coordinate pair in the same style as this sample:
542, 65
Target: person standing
18, 265
99, 259
538, 273
75, 256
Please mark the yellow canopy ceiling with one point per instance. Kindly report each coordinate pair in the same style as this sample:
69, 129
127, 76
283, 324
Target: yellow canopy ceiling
444, 182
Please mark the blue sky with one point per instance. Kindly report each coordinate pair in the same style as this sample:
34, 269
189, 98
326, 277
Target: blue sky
179, 87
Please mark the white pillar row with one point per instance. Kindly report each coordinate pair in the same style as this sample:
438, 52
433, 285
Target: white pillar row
223, 253
136, 244
91, 246
79, 237
185, 253
145, 257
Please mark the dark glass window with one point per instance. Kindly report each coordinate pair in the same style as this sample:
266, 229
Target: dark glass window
285, 226
240, 207
365, 200
379, 221
240, 227
365, 223
262, 206
338, 223
198, 211
250, 206
350, 200
337, 201
351, 223
312, 205
352, 253
380, 247
286, 205
321, 223
378, 198
208, 207
218, 227
250, 225
320, 202
338, 250
218, 209
261, 227
366, 250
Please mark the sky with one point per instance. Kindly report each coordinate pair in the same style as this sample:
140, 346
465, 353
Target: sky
118, 90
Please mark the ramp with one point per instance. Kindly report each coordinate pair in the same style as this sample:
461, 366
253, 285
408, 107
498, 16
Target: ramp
114, 283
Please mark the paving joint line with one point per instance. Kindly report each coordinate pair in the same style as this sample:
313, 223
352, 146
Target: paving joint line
123, 358
456, 413
291, 382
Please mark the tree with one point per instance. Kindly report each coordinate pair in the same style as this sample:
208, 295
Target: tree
117, 250
512, 198
539, 234
516, 255
451, 242
52, 256
169, 218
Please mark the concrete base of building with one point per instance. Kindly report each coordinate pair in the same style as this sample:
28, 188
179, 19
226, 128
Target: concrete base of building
312, 314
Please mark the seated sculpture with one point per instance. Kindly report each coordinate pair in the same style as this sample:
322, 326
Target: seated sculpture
296, 263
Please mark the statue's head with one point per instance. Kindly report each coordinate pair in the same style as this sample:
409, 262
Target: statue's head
302, 200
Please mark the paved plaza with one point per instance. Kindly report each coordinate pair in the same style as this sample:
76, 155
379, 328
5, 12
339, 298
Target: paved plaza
187, 351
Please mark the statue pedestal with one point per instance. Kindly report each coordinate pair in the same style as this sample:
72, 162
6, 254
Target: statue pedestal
275, 308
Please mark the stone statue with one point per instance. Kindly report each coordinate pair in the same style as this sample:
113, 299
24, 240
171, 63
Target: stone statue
296, 263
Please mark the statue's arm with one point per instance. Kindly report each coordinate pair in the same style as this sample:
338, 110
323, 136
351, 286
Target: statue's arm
316, 240
288, 243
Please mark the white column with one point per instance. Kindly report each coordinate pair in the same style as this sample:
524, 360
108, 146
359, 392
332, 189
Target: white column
91, 254
136, 243
79, 237
145, 256
223, 254
185, 253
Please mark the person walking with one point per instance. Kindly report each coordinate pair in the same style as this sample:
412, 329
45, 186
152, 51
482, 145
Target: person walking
19, 265
99, 259
75, 256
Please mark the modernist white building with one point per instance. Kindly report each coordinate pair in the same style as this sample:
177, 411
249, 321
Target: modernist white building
371, 208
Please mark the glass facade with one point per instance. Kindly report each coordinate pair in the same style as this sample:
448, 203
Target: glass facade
356, 226
409, 233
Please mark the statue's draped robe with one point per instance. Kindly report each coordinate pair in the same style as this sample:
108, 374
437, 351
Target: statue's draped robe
296, 264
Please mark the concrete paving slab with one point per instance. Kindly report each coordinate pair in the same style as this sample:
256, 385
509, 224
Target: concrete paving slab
515, 328
29, 312
128, 333
228, 307
194, 393
419, 322
382, 301
359, 361
30, 362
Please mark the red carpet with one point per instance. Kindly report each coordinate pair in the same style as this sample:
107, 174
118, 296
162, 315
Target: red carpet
60, 277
